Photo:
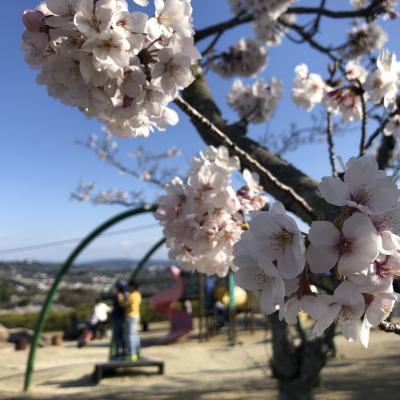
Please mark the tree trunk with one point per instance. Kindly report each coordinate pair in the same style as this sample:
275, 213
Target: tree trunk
297, 369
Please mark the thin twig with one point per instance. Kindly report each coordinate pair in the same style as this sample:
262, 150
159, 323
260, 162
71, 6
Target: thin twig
377, 131
243, 155
390, 327
329, 136
364, 117
240, 19
211, 46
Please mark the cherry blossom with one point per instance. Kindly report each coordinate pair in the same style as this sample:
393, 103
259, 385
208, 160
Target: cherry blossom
278, 241
382, 84
308, 88
120, 67
353, 248
203, 217
364, 187
272, 8
258, 276
256, 103
345, 102
346, 305
246, 58
378, 309
365, 39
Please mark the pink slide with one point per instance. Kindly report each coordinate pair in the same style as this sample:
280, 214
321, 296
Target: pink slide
164, 303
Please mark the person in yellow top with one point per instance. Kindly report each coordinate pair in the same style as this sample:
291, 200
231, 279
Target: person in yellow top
132, 304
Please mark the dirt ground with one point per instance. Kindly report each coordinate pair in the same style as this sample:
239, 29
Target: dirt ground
202, 371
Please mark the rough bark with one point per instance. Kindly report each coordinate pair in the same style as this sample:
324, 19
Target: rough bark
297, 369
199, 96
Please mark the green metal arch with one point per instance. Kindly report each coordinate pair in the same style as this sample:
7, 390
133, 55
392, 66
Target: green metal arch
65, 268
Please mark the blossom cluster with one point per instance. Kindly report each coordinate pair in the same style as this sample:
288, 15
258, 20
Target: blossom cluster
246, 58
266, 14
255, 103
379, 86
204, 216
119, 66
361, 247
272, 8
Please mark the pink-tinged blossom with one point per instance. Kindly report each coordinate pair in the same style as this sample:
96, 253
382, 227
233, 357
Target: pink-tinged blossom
258, 276
364, 187
355, 71
387, 225
378, 309
382, 83
272, 8
278, 241
255, 103
365, 39
344, 102
247, 58
203, 217
346, 305
119, 73
171, 16
353, 248
308, 88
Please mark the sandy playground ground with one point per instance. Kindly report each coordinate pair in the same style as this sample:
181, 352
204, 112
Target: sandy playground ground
202, 371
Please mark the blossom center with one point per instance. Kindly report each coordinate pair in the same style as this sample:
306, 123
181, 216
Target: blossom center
261, 279
362, 195
344, 246
281, 240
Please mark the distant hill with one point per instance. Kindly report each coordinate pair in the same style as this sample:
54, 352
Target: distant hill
119, 264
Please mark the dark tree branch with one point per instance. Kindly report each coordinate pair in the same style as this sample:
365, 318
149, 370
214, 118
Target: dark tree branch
373, 9
198, 95
244, 156
390, 327
386, 151
364, 120
329, 137
378, 131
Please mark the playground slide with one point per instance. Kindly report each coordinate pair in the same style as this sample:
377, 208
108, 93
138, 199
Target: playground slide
164, 303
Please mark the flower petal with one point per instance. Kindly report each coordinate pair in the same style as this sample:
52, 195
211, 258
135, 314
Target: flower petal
321, 259
334, 191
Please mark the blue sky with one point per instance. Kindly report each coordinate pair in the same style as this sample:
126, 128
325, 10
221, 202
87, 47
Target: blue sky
41, 165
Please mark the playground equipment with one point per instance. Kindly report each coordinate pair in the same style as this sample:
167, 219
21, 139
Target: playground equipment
65, 268
164, 303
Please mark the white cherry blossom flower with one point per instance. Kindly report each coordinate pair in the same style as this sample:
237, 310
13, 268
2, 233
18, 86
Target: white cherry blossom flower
256, 103
346, 305
353, 248
92, 17
308, 88
345, 102
365, 39
254, 276
119, 73
364, 187
387, 225
171, 16
278, 240
355, 71
246, 58
203, 217
382, 84
379, 308
173, 70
